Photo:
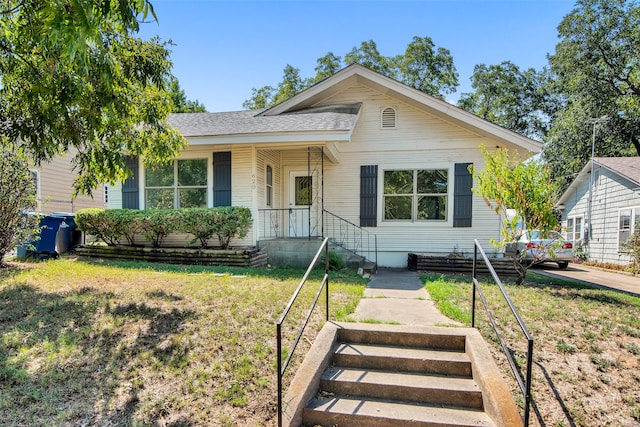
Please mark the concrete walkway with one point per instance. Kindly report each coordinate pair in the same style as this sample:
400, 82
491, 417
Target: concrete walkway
596, 277
397, 296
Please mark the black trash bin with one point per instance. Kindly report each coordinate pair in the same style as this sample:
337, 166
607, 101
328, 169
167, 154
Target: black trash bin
68, 235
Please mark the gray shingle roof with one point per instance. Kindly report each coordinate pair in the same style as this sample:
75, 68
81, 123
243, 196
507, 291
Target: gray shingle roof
329, 118
628, 167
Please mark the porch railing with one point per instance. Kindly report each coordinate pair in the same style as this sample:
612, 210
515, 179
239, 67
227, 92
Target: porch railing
350, 236
324, 284
286, 222
523, 383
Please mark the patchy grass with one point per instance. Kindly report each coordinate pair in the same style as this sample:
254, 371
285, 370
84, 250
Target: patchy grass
586, 345
142, 344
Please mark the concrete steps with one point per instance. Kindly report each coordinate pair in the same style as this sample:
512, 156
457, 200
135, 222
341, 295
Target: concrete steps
388, 379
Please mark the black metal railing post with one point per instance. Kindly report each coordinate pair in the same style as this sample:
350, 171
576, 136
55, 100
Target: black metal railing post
282, 366
524, 384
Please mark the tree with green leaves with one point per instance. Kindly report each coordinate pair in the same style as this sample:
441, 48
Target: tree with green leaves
73, 77
179, 101
597, 74
512, 98
507, 184
426, 68
422, 66
17, 198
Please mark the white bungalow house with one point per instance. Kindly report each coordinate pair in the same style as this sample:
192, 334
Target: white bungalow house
614, 191
359, 157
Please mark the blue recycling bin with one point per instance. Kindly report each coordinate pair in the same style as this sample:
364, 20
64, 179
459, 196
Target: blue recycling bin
46, 245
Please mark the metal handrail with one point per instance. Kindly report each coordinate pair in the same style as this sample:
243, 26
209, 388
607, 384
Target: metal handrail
272, 222
524, 384
359, 235
282, 367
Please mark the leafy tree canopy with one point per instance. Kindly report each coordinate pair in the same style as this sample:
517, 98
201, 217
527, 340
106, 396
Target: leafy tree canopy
422, 66
179, 101
73, 75
512, 98
597, 74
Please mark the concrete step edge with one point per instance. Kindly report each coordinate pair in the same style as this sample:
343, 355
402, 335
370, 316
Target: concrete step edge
436, 389
344, 410
402, 359
439, 341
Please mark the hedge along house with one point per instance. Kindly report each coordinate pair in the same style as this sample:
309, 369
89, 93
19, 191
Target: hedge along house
601, 208
377, 166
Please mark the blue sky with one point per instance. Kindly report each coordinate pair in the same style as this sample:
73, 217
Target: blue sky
223, 49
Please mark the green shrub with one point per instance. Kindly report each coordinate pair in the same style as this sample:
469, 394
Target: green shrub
198, 222
336, 263
17, 198
117, 226
156, 224
127, 223
99, 223
230, 222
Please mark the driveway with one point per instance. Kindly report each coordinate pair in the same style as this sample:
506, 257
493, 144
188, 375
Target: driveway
594, 277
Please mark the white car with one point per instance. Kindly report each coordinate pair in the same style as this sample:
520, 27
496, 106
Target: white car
537, 250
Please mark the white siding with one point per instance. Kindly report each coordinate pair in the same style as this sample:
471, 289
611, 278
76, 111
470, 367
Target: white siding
610, 194
56, 188
420, 141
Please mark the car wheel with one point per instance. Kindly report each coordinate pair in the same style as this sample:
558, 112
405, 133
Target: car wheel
563, 264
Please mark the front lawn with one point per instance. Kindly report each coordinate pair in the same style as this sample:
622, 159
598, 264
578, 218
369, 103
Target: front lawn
586, 345
123, 344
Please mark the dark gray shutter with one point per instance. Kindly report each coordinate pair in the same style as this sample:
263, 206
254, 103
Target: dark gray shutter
222, 178
368, 196
462, 195
130, 188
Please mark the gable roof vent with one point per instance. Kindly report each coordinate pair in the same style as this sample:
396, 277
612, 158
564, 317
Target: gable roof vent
388, 118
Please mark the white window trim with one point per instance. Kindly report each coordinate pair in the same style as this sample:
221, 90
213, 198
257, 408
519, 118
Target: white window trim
36, 173
267, 185
192, 156
572, 232
447, 222
635, 212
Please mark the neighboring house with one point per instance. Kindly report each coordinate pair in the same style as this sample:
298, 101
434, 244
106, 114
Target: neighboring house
356, 150
615, 207
54, 187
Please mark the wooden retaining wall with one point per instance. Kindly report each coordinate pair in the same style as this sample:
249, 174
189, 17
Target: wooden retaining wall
250, 257
459, 265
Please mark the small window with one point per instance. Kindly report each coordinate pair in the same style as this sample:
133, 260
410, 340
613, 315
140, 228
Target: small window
388, 119
269, 184
106, 194
574, 229
628, 222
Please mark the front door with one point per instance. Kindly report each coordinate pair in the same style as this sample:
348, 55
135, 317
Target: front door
302, 215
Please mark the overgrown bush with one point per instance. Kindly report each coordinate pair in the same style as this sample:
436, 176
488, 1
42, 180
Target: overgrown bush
99, 223
119, 226
17, 198
230, 222
156, 224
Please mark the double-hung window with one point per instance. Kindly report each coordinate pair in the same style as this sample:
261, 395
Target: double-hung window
269, 186
180, 184
574, 229
628, 222
416, 195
